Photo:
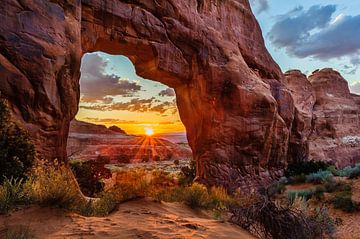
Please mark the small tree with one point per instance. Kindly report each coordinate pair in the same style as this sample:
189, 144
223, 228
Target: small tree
17, 153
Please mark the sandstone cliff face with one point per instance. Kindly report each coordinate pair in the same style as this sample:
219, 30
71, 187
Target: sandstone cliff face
212, 52
327, 124
231, 95
304, 100
336, 116
40, 50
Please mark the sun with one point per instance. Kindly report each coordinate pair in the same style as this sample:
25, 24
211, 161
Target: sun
149, 131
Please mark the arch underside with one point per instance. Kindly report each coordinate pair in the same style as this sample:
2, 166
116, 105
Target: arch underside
229, 93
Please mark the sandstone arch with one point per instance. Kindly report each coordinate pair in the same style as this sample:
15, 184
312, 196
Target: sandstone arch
229, 91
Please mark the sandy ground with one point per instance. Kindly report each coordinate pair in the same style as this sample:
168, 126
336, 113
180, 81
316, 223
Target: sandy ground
136, 219
350, 228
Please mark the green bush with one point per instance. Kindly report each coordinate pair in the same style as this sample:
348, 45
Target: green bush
346, 172
306, 194
89, 175
12, 194
343, 201
332, 185
305, 168
17, 153
319, 177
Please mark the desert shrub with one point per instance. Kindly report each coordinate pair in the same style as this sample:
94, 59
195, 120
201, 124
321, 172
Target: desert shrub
319, 177
355, 174
343, 201
332, 185
332, 169
276, 188
99, 207
305, 168
346, 172
319, 192
53, 184
11, 194
17, 232
17, 153
296, 179
305, 194
266, 219
196, 196
219, 199
187, 174
89, 175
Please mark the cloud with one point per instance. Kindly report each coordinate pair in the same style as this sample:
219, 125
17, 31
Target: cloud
260, 5
98, 86
355, 88
167, 92
136, 105
312, 32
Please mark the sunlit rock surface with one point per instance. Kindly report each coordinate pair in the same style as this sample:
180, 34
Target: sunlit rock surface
231, 95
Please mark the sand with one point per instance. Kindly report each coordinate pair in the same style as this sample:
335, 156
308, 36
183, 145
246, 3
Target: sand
136, 219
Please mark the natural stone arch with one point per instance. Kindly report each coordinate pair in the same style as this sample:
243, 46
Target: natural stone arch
211, 52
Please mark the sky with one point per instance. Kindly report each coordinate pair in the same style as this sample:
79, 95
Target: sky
299, 34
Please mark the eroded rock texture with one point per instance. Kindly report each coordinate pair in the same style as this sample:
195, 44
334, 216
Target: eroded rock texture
237, 107
212, 52
326, 126
336, 116
40, 51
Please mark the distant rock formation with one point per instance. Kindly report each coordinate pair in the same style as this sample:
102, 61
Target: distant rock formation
117, 129
77, 126
89, 141
327, 118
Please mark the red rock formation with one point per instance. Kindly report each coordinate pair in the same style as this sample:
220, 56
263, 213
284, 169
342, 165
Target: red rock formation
336, 117
326, 126
236, 111
304, 100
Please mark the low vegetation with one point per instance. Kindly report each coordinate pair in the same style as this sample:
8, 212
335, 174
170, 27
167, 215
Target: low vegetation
17, 153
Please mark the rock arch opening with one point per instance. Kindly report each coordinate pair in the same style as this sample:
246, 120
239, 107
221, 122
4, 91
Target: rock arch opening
124, 122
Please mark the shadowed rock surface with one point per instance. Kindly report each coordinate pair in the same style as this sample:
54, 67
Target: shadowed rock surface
230, 93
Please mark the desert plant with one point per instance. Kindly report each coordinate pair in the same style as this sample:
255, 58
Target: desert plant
11, 194
89, 175
266, 219
305, 194
305, 168
332, 185
187, 174
18, 232
276, 187
347, 171
319, 177
196, 196
219, 199
53, 184
100, 207
17, 153
343, 201
297, 179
